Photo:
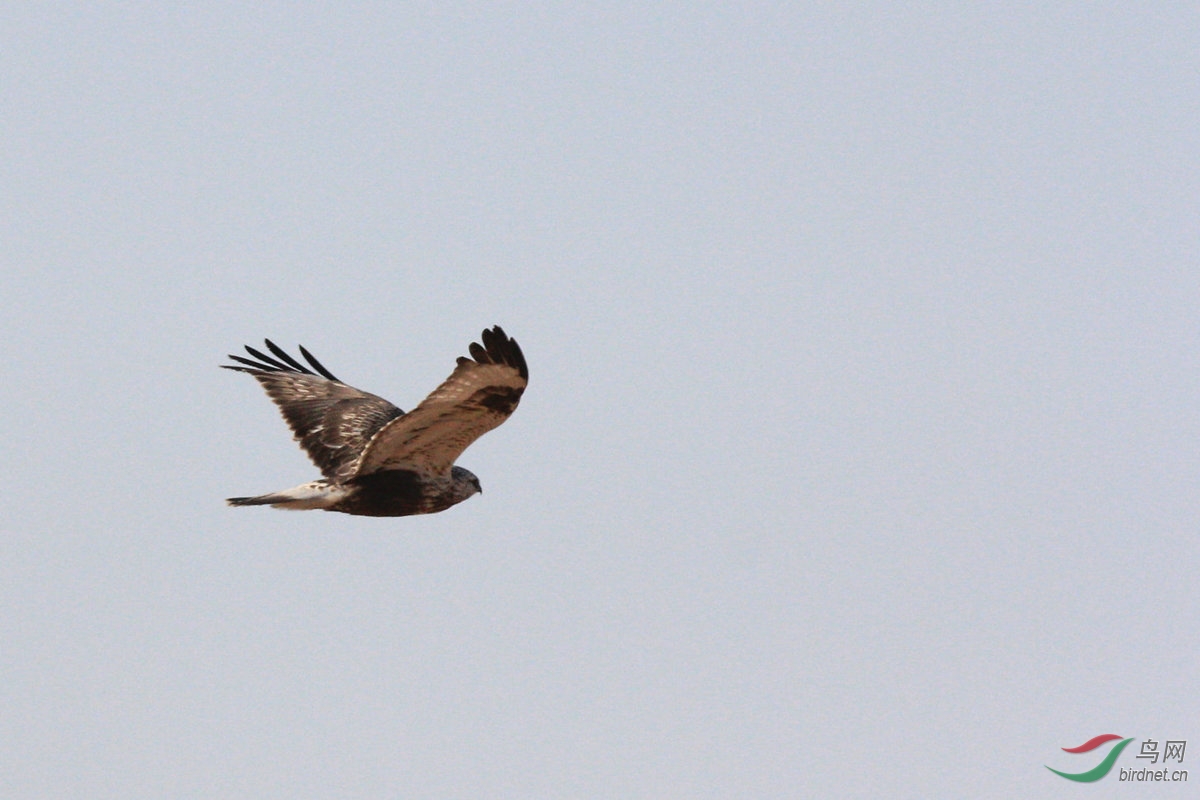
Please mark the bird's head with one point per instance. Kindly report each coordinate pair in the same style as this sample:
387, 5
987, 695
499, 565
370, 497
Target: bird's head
465, 483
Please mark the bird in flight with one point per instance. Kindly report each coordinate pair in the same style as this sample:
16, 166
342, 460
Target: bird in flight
376, 460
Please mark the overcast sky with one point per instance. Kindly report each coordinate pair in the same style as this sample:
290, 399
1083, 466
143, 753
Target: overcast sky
859, 454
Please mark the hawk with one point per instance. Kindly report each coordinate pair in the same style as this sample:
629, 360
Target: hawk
377, 460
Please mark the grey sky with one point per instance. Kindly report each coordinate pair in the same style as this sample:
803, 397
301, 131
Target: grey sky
859, 456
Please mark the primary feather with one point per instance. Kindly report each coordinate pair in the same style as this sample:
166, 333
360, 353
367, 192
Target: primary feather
377, 460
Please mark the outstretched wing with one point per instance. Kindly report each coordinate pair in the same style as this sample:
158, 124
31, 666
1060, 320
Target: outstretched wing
480, 394
332, 421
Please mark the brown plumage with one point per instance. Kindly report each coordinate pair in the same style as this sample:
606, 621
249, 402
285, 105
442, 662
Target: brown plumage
377, 460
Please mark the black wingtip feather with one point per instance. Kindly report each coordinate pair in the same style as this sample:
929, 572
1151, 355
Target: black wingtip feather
499, 348
266, 362
251, 366
279, 362
317, 365
282, 354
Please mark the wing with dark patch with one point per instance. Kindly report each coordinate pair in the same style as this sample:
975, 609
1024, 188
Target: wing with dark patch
332, 421
480, 394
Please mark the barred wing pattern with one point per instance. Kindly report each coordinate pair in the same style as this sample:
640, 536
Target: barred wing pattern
332, 421
349, 433
481, 393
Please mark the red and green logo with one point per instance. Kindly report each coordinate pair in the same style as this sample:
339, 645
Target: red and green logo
1100, 770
